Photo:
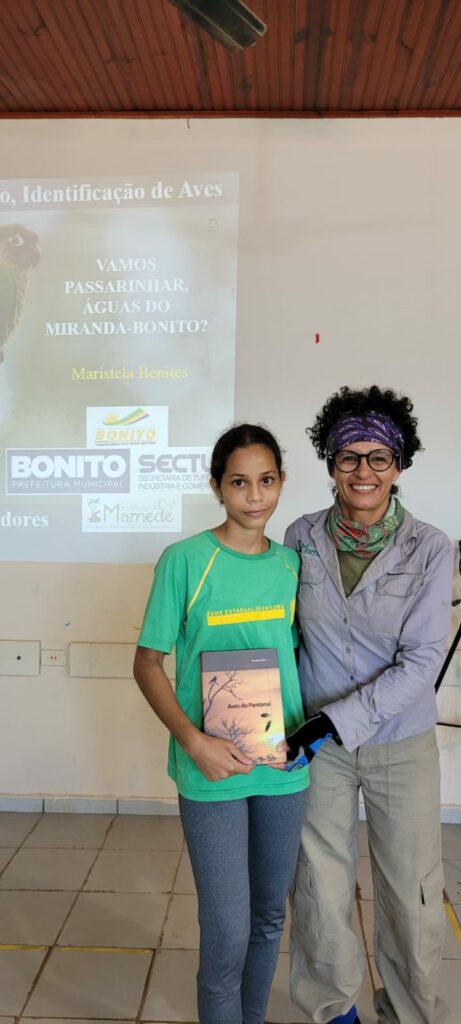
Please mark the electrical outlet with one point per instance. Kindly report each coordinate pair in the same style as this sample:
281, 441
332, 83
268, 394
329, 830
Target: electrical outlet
50, 657
19, 657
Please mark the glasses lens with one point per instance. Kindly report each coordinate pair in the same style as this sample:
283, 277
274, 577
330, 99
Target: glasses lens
346, 461
380, 460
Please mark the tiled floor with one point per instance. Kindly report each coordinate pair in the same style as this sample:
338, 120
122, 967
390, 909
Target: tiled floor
98, 922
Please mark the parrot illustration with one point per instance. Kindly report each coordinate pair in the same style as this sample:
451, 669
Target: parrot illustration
19, 253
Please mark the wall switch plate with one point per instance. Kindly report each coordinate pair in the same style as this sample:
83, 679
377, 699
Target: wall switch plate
103, 661
52, 657
19, 657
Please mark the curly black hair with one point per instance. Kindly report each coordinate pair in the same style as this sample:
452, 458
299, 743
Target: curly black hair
359, 402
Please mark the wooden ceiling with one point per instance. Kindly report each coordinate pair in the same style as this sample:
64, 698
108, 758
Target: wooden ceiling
318, 57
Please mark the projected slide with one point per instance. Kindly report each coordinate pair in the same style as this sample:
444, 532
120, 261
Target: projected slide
117, 352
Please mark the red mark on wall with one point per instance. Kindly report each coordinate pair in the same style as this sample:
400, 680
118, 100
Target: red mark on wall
317, 339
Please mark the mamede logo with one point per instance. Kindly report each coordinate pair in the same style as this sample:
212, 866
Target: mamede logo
58, 471
121, 515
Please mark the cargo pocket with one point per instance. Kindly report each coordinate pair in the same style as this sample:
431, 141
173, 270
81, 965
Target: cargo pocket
400, 584
393, 596
431, 915
304, 909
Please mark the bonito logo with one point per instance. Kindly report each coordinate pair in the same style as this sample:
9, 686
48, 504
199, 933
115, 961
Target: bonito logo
124, 426
112, 420
123, 429
67, 471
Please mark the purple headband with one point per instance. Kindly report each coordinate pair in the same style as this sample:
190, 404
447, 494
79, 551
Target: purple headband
372, 426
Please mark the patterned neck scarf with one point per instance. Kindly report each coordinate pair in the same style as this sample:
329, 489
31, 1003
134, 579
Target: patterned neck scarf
361, 540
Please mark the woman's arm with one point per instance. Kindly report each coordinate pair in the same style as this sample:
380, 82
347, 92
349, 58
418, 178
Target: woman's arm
420, 652
217, 759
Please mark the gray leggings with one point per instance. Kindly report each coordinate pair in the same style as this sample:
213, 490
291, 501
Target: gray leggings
243, 855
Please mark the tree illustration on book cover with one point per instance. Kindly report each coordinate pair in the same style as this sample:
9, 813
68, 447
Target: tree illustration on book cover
242, 701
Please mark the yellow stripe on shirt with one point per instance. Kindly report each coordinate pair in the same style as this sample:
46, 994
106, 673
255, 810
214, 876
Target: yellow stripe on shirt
202, 580
229, 618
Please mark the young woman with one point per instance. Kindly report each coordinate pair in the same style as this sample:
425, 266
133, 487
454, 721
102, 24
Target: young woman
228, 589
374, 614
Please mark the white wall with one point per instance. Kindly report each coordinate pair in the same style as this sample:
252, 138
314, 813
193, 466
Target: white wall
347, 228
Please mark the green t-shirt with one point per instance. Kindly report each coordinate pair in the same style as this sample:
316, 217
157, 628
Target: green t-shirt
352, 568
206, 597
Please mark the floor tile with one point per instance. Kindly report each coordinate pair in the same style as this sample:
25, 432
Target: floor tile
108, 985
362, 839
33, 917
449, 988
14, 827
451, 841
70, 830
167, 1000
145, 832
452, 870
452, 944
366, 908
48, 869
116, 919
126, 904
181, 927
184, 881
373, 971
18, 968
365, 1006
6, 853
364, 878
280, 1008
133, 871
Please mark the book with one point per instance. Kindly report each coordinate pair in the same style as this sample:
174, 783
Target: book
242, 701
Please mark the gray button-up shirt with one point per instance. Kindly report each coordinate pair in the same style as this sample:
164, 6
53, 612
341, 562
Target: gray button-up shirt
370, 660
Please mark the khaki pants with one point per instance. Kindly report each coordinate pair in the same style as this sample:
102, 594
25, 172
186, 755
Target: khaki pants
401, 789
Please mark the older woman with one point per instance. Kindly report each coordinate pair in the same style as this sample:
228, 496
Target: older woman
373, 612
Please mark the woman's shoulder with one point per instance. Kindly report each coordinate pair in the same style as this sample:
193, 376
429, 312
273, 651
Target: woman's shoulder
428, 538
425, 534
300, 529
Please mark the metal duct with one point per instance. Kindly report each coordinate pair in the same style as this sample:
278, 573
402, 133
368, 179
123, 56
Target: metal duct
229, 21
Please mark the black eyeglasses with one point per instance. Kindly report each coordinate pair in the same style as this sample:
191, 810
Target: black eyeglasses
378, 460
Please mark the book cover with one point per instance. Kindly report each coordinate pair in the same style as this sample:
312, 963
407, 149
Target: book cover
242, 701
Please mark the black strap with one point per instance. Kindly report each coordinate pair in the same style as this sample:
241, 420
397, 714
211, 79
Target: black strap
443, 670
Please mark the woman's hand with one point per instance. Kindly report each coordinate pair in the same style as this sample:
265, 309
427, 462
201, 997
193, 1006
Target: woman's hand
310, 737
218, 759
